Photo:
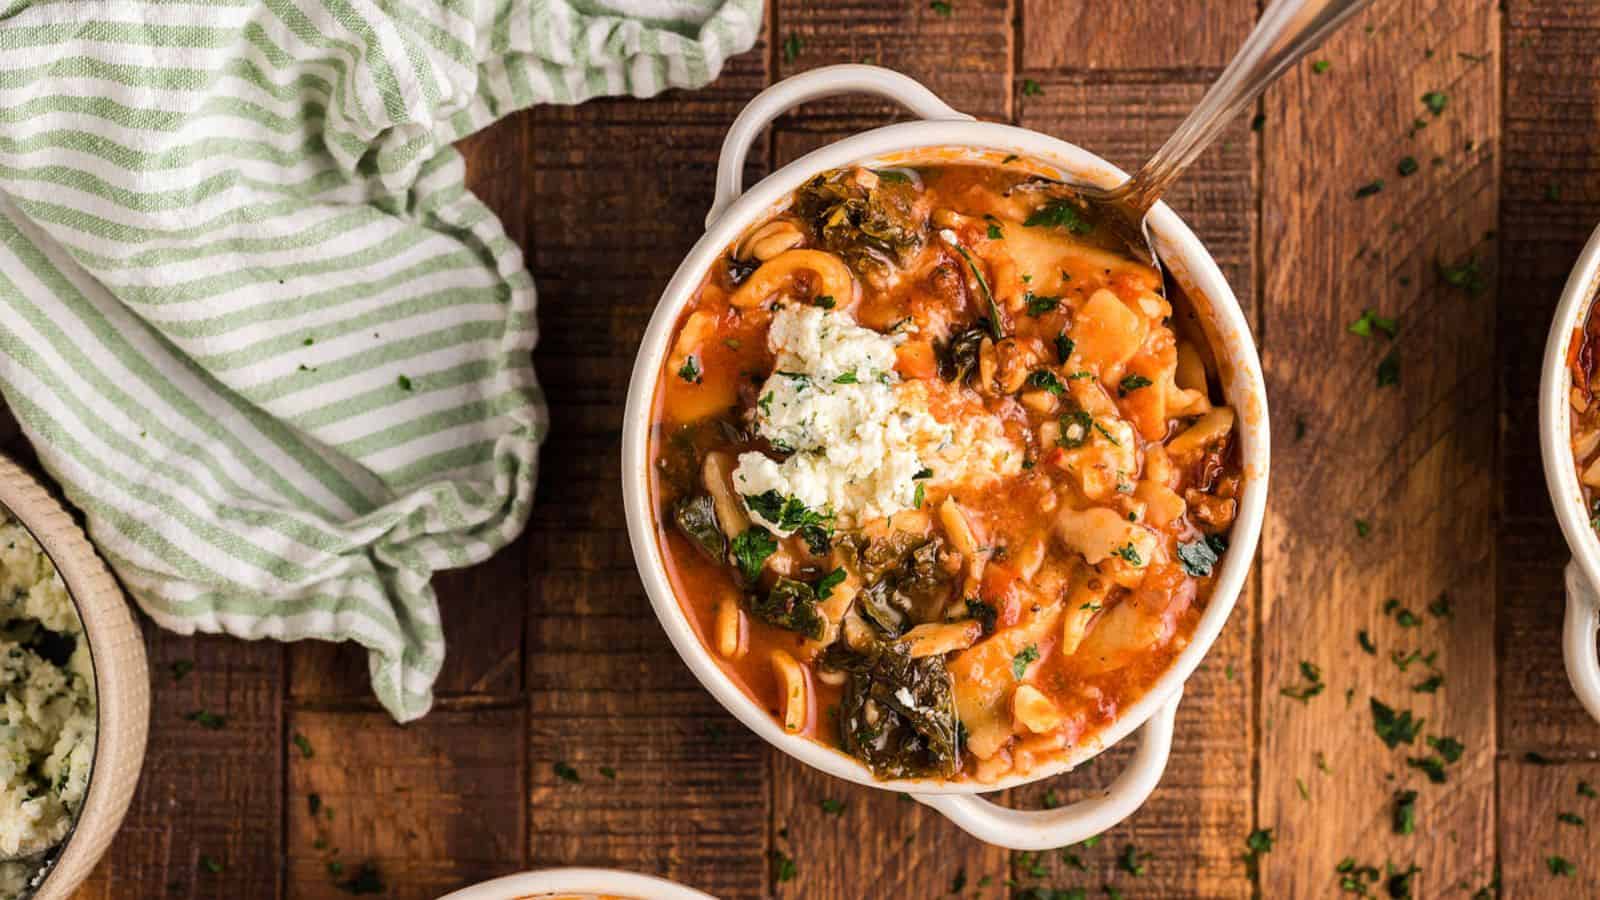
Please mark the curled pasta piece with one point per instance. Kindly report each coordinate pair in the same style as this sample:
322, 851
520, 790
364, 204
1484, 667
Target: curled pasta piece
792, 689
769, 240
1086, 600
938, 638
1208, 429
730, 628
717, 474
1191, 372
830, 270
1107, 332
959, 530
1100, 533
697, 329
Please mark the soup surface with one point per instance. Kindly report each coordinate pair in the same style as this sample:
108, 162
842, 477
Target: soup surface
941, 475
1582, 360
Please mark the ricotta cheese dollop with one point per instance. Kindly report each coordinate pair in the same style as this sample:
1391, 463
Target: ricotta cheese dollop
855, 437
47, 708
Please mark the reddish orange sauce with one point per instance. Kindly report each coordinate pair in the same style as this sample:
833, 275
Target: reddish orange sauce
1160, 458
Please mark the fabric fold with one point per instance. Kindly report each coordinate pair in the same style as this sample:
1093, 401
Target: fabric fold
250, 316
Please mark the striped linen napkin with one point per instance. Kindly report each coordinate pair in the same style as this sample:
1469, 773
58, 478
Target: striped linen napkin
250, 317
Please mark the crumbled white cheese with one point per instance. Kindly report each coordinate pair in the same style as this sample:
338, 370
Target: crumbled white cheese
835, 404
47, 718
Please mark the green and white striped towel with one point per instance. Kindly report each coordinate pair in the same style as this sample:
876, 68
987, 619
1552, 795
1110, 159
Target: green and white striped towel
251, 318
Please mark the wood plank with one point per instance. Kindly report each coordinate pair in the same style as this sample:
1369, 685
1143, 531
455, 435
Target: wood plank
1108, 35
205, 821
1194, 826
1552, 200
964, 57
621, 188
431, 806
1532, 797
1410, 461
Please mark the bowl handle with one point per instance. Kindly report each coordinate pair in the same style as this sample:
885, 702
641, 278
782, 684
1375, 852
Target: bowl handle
1019, 829
1578, 639
815, 84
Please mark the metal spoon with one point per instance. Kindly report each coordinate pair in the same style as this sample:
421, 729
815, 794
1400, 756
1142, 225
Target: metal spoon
1288, 30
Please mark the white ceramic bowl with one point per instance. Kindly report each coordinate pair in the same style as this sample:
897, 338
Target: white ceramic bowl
578, 881
122, 683
734, 210
1561, 476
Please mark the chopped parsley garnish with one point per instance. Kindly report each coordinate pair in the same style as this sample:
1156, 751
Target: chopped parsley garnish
1258, 121
751, 549
1131, 383
1257, 843
1370, 188
826, 301
995, 233
181, 667
1320, 66
1448, 747
1107, 435
1571, 818
304, 745
828, 582
1405, 618
1075, 428
1585, 789
1468, 276
1313, 684
1370, 322
567, 773
792, 45
1363, 528
1365, 640
847, 378
783, 867
207, 719
210, 864
1129, 554
919, 495
689, 371
1394, 728
1389, 369
1440, 607
1405, 812
1199, 557
1432, 766
1046, 380
1131, 860
1560, 867
1407, 166
1031, 88
404, 382
995, 327
1064, 347
832, 807
609, 773
1037, 305
1435, 101
1429, 685
942, 7
1020, 662
1059, 214
765, 404
366, 880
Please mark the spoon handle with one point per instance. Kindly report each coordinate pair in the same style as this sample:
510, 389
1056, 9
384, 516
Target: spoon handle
1288, 30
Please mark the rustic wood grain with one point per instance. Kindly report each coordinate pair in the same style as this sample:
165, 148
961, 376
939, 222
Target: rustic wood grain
621, 190
1552, 201
206, 819
1149, 37
1413, 463
1532, 797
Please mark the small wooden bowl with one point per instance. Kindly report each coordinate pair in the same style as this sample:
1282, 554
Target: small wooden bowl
121, 678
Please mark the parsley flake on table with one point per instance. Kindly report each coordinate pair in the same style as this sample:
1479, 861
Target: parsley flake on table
1367, 190
1031, 88
209, 720
1312, 686
567, 773
1571, 818
783, 867
181, 667
1405, 812
608, 773
1389, 369
1131, 860
792, 45
1257, 843
210, 864
832, 807
1365, 640
1370, 322
1585, 789
1320, 66
1468, 276
942, 7
1407, 166
1435, 101
366, 880
304, 745
1394, 728
1363, 528
1560, 867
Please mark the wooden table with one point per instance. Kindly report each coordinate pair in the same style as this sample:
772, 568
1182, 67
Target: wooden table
555, 657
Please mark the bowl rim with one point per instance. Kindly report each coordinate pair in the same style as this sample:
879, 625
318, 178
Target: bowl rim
117, 665
630, 885
1581, 291
1188, 261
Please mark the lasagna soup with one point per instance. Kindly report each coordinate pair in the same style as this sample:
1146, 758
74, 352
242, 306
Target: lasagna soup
940, 474
1585, 400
